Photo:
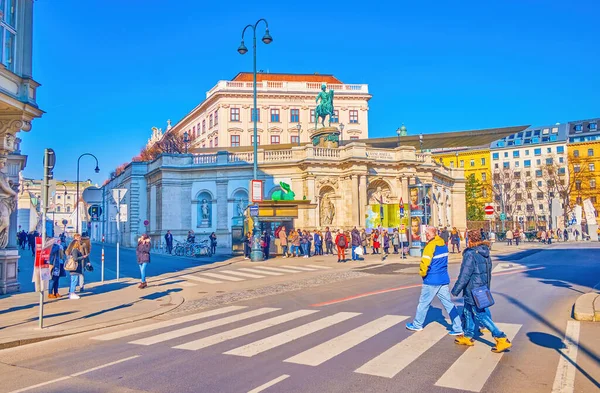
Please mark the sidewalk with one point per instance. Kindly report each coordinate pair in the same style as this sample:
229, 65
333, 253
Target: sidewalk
113, 303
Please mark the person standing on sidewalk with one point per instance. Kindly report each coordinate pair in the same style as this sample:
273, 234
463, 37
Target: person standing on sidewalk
476, 272
436, 281
364, 240
509, 237
213, 243
455, 240
445, 235
356, 242
283, 241
376, 244
266, 244
247, 245
328, 241
74, 251
318, 240
341, 242
142, 253
169, 241
386, 242
57, 260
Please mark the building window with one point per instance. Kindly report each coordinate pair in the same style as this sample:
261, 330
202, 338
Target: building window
505, 154
496, 165
590, 152
592, 167
538, 173
234, 114
252, 140
495, 156
576, 168
451, 164
578, 184
506, 165
68, 209
336, 117
549, 150
594, 200
294, 115
578, 128
483, 161
462, 164
210, 143
235, 140
216, 141
472, 163
537, 152
483, 176
517, 164
203, 126
8, 33
516, 154
217, 117
549, 161
274, 115
312, 116
353, 117
295, 139
575, 153
561, 171
255, 114
592, 183
274, 139
538, 162
68, 197
593, 126
561, 160
58, 209
210, 121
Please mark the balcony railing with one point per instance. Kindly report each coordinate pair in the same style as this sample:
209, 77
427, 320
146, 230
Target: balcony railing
274, 86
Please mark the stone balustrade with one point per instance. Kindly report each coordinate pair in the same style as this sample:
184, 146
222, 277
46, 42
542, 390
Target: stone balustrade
280, 86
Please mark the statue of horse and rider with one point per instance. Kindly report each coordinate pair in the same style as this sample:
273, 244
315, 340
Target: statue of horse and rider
325, 107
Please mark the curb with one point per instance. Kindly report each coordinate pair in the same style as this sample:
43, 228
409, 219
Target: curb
17, 343
587, 307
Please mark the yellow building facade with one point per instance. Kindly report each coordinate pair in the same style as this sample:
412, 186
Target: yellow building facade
584, 172
474, 162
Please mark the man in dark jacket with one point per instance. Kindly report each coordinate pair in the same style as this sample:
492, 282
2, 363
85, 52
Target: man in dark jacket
445, 235
355, 235
476, 272
436, 281
328, 241
169, 241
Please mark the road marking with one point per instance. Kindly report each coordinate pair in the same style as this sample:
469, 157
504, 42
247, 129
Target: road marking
260, 271
248, 275
269, 384
183, 283
160, 325
564, 382
370, 267
201, 279
473, 368
395, 359
73, 375
277, 269
203, 326
223, 277
290, 335
332, 348
306, 269
320, 267
354, 297
244, 330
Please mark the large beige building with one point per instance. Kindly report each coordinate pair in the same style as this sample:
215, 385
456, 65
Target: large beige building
285, 112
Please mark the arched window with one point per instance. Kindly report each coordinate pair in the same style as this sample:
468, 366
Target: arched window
58, 209
204, 210
68, 209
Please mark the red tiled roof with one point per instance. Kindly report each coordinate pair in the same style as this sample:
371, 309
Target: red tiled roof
247, 77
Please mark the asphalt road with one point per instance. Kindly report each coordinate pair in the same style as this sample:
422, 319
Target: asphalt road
343, 337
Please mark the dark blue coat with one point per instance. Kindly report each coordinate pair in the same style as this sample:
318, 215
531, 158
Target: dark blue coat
475, 272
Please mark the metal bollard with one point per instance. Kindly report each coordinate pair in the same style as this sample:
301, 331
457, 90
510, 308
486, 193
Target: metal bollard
102, 273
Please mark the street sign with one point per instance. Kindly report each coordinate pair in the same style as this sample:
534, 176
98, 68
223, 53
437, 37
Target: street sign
123, 213
118, 194
256, 188
95, 212
503, 216
489, 210
146, 223
254, 210
65, 222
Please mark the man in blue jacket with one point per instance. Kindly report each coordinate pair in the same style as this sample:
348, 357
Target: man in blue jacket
434, 270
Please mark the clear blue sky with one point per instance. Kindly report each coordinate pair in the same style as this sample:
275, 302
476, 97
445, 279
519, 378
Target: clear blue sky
112, 69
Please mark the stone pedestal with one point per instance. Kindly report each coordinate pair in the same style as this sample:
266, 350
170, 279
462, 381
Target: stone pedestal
8, 271
327, 137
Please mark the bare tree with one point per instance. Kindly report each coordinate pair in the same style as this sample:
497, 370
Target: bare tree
506, 191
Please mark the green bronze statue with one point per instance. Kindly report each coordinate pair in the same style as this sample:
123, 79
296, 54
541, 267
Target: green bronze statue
285, 194
325, 107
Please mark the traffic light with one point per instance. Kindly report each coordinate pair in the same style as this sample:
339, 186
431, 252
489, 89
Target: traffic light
49, 162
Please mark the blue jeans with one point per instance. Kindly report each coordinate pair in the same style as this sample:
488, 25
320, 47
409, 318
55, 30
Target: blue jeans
284, 250
143, 271
74, 282
428, 292
305, 249
354, 255
483, 317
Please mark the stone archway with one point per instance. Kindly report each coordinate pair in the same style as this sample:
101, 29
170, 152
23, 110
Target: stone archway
379, 192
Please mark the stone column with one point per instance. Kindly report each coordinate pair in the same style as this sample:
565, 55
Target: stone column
310, 195
362, 200
223, 219
355, 206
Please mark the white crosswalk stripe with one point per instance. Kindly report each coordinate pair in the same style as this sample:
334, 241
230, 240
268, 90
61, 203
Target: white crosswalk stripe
277, 269
323, 352
201, 279
473, 368
244, 330
183, 283
241, 274
320, 267
247, 269
395, 359
277, 340
203, 326
223, 277
306, 269
164, 324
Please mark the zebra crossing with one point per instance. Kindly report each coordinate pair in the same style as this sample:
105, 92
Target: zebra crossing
470, 370
241, 274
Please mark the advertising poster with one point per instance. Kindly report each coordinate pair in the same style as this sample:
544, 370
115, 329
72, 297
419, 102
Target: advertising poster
386, 215
417, 215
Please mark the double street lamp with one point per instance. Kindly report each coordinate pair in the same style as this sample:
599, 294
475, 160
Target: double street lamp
256, 254
97, 170
186, 141
401, 131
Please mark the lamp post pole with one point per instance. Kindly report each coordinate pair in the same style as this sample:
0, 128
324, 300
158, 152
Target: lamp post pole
457, 159
421, 142
401, 131
299, 127
77, 197
341, 132
256, 253
186, 140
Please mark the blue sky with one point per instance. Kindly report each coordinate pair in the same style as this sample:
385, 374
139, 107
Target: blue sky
112, 69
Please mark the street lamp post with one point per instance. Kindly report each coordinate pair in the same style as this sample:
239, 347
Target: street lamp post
299, 127
401, 131
186, 141
256, 253
341, 132
421, 142
77, 197
457, 159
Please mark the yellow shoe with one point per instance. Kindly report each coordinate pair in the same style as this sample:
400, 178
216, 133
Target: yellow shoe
484, 330
502, 344
462, 340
